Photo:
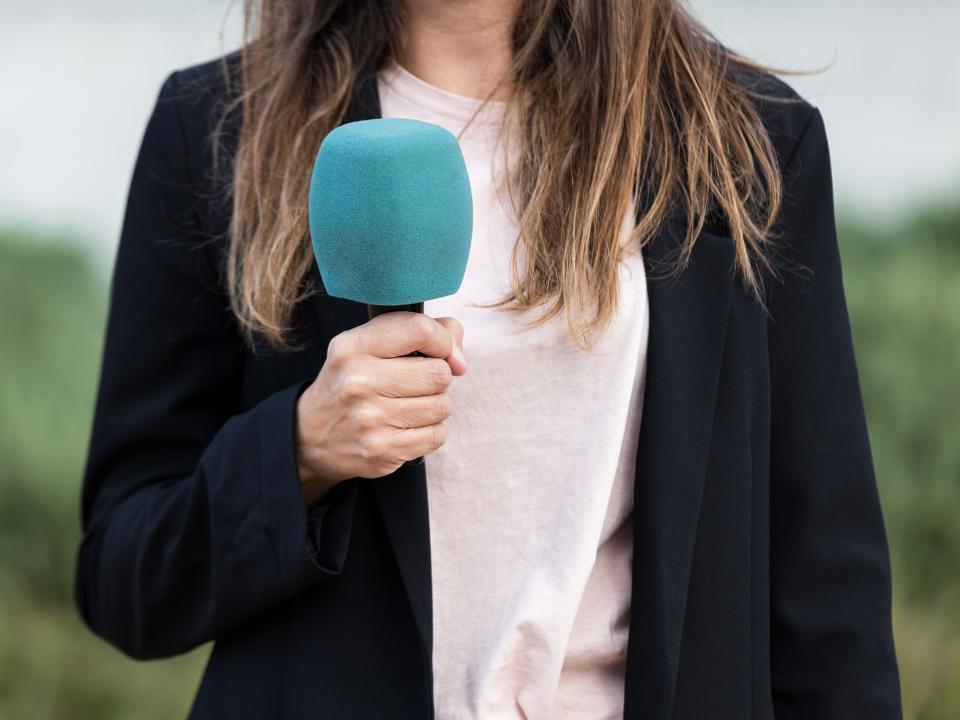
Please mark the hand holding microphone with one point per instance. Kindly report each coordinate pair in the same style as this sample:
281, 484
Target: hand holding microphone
391, 218
371, 408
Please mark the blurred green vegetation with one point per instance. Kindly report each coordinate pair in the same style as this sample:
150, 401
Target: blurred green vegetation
902, 282
903, 292
51, 667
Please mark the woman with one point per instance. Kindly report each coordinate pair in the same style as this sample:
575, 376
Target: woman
655, 242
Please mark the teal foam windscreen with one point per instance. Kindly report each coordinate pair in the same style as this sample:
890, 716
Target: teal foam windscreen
390, 209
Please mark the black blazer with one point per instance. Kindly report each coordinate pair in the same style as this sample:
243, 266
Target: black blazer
761, 580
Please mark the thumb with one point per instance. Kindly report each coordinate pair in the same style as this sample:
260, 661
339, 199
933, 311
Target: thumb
455, 328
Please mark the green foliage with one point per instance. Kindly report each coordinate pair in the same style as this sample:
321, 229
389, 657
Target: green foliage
51, 325
51, 665
903, 295
904, 300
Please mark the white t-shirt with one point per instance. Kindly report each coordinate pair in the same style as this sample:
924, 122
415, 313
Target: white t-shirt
531, 496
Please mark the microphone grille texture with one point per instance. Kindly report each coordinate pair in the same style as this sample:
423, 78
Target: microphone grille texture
390, 211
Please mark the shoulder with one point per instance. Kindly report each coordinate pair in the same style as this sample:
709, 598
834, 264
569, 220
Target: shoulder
803, 235
804, 246
194, 98
202, 90
191, 103
791, 121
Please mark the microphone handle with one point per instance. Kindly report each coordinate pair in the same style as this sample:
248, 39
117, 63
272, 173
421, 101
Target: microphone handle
372, 312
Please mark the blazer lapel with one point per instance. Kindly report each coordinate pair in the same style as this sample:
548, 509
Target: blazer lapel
402, 496
688, 321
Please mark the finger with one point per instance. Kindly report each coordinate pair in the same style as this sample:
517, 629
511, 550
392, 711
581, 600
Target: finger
412, 412
399, 333
414, 442
402, 377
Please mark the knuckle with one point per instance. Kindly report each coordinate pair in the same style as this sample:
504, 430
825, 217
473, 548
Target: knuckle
363, 449
367, 418
442, 406
371, 449
440, 373
353, 384
439, 435
339, 346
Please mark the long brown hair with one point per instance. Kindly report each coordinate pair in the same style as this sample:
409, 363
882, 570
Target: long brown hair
613, 102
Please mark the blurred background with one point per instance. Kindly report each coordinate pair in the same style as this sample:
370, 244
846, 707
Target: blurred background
78, 83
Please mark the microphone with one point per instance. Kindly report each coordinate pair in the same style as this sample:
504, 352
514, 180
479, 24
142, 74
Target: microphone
390, 214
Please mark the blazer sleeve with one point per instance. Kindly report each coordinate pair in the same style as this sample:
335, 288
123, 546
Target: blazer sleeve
192, 517
832, 651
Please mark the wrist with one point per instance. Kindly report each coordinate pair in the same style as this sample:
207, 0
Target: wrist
314, 484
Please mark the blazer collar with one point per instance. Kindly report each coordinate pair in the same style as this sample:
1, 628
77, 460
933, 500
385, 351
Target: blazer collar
688, 321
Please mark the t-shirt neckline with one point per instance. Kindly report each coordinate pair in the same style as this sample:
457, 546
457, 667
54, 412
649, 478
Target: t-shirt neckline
437, 100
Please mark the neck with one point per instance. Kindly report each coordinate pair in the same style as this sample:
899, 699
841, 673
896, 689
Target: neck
460, 45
